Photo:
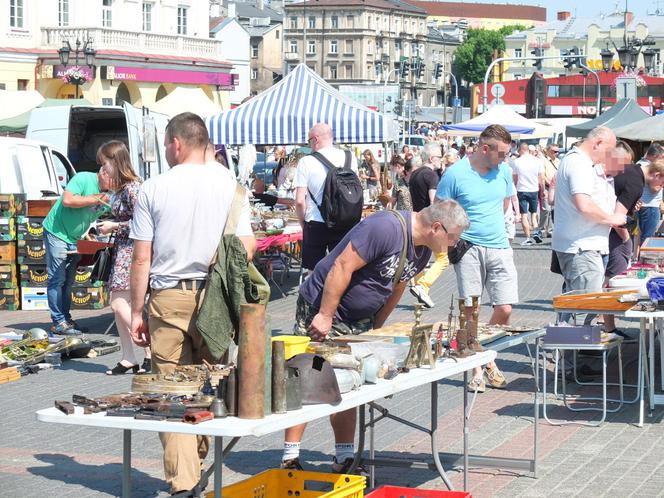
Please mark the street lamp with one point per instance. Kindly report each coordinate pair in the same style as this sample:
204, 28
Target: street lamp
88, 52
607, 58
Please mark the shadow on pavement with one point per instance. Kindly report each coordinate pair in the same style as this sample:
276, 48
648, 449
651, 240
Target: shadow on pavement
86, 366
105, 478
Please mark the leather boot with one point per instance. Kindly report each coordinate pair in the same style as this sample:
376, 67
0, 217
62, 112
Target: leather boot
462, 349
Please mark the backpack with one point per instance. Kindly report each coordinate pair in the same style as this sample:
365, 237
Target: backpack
343, 196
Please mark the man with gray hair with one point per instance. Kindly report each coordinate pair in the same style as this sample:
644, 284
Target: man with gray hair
422, 185
359, 283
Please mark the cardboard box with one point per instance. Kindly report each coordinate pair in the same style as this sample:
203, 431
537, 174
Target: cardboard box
9, 299
573, 335
7, 229
83, 278
8, 276
34, 298
7, 253
12, 205
29, 228
31, 252
89, 298
33, 275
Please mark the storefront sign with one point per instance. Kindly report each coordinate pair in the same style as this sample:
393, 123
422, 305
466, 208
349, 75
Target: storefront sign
88, 72
224, 80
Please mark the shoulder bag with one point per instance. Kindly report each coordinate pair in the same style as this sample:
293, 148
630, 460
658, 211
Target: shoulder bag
103, 263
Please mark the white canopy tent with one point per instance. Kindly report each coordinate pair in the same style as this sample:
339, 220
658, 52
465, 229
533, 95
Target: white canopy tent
15, 102
646, 130
516, 124
184, 99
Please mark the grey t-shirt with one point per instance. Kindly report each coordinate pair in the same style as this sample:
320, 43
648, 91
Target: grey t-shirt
183, 212
378, 239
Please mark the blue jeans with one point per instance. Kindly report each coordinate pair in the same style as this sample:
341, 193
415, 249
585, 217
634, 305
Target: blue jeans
61, 269
648, 221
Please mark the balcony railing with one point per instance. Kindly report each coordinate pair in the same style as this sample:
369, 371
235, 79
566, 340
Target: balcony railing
148, 43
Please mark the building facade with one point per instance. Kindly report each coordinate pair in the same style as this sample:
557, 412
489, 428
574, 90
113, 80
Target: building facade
357, 43
482, 15
142, 49
235, 45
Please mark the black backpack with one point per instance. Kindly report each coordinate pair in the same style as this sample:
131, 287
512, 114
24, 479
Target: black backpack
343, 198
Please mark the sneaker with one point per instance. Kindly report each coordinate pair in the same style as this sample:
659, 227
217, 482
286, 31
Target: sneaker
476, 384
343, 468
537, 238
65, 328
528, 242
292, 464
74, 324
495, 378
422, 296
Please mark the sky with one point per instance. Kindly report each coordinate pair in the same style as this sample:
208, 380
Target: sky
587, 8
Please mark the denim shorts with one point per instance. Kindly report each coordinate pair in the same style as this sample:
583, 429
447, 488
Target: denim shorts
528, 201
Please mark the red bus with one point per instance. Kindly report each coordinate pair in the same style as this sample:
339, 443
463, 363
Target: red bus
565, 96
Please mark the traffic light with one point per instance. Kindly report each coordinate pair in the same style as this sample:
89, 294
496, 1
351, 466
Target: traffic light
570, 61
437, 71
538, 52
404, 70
420, 69
397, 108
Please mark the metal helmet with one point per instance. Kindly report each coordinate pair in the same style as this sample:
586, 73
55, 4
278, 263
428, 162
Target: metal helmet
36, 334
318, 382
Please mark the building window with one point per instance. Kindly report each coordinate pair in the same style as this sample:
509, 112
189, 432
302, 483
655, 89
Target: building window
312, 22
147, 17
349, 46
292, 46
276, 34
518, 52
349, 71
63, 13
333, 72
334, 22
22, 84
293, 22
350, 21
291, 68
369, 47
16, 13
254, 50
107, 13
405, 26
254, 74
334, 47
368, 22
182, 20
311, 47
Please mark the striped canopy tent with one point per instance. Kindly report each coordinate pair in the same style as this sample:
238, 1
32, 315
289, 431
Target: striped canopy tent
284, 113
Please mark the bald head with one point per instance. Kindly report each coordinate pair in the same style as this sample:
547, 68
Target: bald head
598, 143
320, 136
523, 148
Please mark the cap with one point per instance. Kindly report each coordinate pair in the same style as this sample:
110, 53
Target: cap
532, 147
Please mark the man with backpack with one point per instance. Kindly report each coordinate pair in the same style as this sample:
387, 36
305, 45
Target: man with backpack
328, 197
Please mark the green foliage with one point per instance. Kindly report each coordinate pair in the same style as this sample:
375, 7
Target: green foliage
473, 56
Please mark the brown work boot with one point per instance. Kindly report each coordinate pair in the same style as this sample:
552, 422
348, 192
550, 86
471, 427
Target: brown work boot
474, 344
462, 349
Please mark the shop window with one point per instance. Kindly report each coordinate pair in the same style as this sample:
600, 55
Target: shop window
122, 95
107, 13
182, 20
63, 12
16, 13
147, 16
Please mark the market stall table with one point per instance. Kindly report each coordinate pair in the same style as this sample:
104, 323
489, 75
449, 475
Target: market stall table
236, 428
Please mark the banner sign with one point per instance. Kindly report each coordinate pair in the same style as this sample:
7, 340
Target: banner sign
224, 80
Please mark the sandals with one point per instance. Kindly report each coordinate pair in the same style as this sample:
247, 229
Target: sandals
120, 369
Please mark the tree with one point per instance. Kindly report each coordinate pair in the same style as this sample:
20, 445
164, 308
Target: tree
473, 56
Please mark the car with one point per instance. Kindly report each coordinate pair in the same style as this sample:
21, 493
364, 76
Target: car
264, 167
413, 140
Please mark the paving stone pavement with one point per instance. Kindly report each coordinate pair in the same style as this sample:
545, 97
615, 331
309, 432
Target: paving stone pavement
616, 459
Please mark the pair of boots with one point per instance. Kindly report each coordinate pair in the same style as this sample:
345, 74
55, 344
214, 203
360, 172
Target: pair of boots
466, 337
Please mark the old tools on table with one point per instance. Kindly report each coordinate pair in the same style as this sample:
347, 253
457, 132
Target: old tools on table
420, 346
444, 348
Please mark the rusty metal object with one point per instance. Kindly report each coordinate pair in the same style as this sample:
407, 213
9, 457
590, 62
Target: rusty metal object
251, 362
473, 341
278, 377
231, 393
65, 407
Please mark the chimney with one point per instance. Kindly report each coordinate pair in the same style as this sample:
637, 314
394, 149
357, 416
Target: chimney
260, 4
563, 15
231, 10
629, 17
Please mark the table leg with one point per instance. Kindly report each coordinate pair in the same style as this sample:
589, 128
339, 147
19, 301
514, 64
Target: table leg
651, 363
465, 430
126, 463
641, 370
434, 432
661, 355
218, 462
372, 449
536, 408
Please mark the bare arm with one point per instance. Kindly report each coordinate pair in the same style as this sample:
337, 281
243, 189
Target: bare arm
432, 195
249, 243
301, 204
139, 280
80, 201
383, 314
593, 212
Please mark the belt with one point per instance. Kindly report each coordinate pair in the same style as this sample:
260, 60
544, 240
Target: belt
191, 285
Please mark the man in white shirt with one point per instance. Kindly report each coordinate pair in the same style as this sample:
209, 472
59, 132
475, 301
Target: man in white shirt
528, 171
317, 239
178, 221
585, 213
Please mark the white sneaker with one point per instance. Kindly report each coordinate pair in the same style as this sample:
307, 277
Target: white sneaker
528, 242
422, 296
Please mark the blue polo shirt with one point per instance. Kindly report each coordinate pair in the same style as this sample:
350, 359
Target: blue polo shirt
482, 197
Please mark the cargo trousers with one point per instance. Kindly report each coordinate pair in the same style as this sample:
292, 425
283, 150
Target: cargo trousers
176, 341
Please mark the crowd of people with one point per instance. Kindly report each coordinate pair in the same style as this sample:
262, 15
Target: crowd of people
450, 204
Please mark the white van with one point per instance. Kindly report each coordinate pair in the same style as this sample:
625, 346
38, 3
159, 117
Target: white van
79, 131
33, 168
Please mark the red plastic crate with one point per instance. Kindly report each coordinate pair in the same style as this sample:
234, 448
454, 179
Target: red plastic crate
397, 492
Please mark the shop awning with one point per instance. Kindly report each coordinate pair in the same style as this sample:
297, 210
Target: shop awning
16, 102
622, 113
285, 112
184, 99
646, 130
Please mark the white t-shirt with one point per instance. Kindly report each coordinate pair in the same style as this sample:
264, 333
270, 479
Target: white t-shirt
528, 168
311, 174
573, 231
183, 212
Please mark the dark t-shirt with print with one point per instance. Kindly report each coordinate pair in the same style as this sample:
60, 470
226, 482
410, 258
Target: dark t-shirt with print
421, 181
378, 239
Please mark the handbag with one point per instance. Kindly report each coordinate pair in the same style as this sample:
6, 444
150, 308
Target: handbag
455, 254
103, 263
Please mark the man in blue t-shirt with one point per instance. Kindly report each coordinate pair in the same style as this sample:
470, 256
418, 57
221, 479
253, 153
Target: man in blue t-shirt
356, 287
483, 185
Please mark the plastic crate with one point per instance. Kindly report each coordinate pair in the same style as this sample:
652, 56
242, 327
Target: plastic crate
397, 492
280, 483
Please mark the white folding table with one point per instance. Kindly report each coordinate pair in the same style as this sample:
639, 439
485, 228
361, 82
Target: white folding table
236, 428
